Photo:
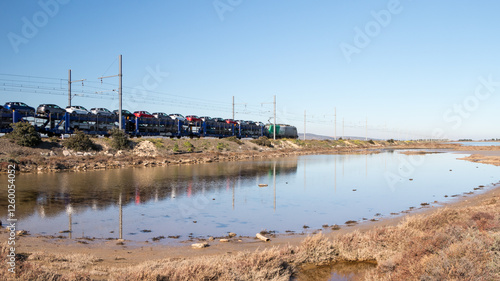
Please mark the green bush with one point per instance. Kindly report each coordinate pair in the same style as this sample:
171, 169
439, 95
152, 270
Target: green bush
79, 141
24, 134
119, 139
189, 146
176, 148
221, 146
371, 142
299, 142
391, 141
263, 141
234, 139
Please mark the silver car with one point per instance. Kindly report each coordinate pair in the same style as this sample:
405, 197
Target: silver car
177, 116
101, 111
77, 109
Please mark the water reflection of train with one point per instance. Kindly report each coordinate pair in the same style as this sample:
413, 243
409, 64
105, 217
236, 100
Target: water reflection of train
51, 194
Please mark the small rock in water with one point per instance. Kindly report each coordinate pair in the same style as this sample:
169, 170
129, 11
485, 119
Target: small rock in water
231, 234
305, 226
354, 189
210, 238
335, 227
195, 221
199, 245
21, 232
158, 238
224, 240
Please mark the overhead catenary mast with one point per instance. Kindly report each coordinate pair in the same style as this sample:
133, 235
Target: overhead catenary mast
69, 86
120, 121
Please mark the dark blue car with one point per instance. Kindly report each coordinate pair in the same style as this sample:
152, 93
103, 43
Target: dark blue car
21, 107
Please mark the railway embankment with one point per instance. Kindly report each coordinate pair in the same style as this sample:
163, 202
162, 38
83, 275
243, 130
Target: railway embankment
53, 155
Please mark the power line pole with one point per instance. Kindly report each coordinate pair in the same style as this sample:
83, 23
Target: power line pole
119, 90
274, 127
69, 86
120, 93
343, 136
233, 107
335, 133
366, 129
304, 125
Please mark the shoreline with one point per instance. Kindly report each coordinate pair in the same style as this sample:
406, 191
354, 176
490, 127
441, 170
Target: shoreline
149, 152
115, 254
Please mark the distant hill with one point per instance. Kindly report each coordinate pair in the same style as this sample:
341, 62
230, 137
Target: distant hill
321, 137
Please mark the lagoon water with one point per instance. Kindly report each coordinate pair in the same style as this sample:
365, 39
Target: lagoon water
478, 143
215, 198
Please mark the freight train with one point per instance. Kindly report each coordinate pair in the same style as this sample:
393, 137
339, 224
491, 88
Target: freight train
60, 123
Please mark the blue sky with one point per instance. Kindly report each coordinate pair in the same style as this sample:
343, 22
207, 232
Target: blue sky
415, 74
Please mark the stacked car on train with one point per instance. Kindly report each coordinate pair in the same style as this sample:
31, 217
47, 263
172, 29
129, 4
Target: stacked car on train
54, 120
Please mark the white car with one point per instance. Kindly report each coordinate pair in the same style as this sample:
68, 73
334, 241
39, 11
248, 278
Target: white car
177, 116
101, 111
77, 109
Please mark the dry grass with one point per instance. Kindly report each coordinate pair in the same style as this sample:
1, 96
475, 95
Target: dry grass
450, 244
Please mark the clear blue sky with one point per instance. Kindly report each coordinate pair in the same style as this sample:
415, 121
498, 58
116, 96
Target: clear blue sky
412, 76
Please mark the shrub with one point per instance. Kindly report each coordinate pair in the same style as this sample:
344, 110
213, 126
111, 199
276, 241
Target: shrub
79, 141
189, 146
119, 139
371, 142
54, 139
24, 134
176, 148
234, 139
221, 146
299, 142
391, 141
263, 141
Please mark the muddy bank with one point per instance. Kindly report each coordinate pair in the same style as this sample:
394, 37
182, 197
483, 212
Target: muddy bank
52, 156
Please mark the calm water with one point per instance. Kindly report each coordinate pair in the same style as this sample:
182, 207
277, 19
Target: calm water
221, 197
478, 143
